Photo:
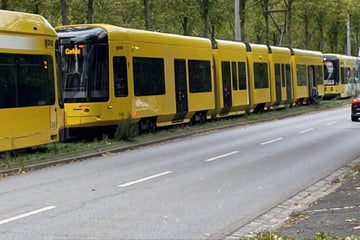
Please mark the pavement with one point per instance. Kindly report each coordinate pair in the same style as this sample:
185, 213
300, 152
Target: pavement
330, 206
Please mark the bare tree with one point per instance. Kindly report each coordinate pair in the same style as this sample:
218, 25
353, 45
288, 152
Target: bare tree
90, 11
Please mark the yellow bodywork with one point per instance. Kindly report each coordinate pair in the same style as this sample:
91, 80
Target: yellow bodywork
23, 127
139, 43
258, 96
281, 57
233, 53
343, 90
306, 60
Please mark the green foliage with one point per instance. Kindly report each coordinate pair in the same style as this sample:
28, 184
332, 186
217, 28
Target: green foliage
126, 130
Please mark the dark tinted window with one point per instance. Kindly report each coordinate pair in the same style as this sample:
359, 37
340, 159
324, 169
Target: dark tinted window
301, 75
26, 80
120, 77
149, 76
199, 76
261, 75
234, 75
242, 75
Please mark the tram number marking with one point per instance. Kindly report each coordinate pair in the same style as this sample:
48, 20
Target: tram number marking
49, 43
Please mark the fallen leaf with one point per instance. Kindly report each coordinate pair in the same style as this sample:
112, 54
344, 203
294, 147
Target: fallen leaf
350, 220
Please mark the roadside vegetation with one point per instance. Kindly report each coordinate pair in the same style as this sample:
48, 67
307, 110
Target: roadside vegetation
318, 236
127, 135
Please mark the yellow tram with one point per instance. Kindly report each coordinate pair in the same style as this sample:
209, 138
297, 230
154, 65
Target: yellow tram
112, 73
307, 74
339, 80
29, 100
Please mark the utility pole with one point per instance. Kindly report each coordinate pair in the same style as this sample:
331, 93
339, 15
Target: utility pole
237, 21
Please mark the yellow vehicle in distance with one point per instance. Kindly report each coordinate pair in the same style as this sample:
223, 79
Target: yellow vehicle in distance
307, 75
340, 71
112, 73
29, 100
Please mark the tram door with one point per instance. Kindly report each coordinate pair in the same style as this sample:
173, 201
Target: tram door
180, 90
312, 83
226, 83
279, 73
289, 87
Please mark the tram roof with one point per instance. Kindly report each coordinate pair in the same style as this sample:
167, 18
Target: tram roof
25, 23
116, 33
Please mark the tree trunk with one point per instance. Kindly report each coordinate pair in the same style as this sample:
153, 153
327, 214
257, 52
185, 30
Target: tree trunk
205, 9
242, 20
265, 8
288, 4
184, 24
4, 4
147, 15
90, 11
64, 12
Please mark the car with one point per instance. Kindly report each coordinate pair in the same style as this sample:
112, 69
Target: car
355, 108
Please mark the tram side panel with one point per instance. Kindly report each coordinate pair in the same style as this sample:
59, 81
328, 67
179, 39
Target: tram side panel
259, 77
280, 77
232, 94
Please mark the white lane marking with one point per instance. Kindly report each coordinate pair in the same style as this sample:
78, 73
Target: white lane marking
306, 130
221, 156
330, 123
24, 215
271, 141
144, 179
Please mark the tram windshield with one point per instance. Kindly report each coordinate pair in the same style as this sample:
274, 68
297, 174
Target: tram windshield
82, 57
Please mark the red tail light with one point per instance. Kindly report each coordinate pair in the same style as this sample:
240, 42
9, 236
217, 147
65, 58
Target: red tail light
356, 100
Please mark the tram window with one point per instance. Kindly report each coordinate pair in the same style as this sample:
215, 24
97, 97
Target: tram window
301, 75
225, 74
345, 75
278, 74
26, 80
199, 76
311, 75
261, 75
283, 74
120, 77
242, 75
288, 75
319, 78
149, 76
234, 75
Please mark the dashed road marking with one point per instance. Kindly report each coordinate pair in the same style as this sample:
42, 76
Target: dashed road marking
221, 156
306, 130
271, 141
330, 123
24, 215
144, 179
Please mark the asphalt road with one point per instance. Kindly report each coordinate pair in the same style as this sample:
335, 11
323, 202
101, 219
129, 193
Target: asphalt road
199, 187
